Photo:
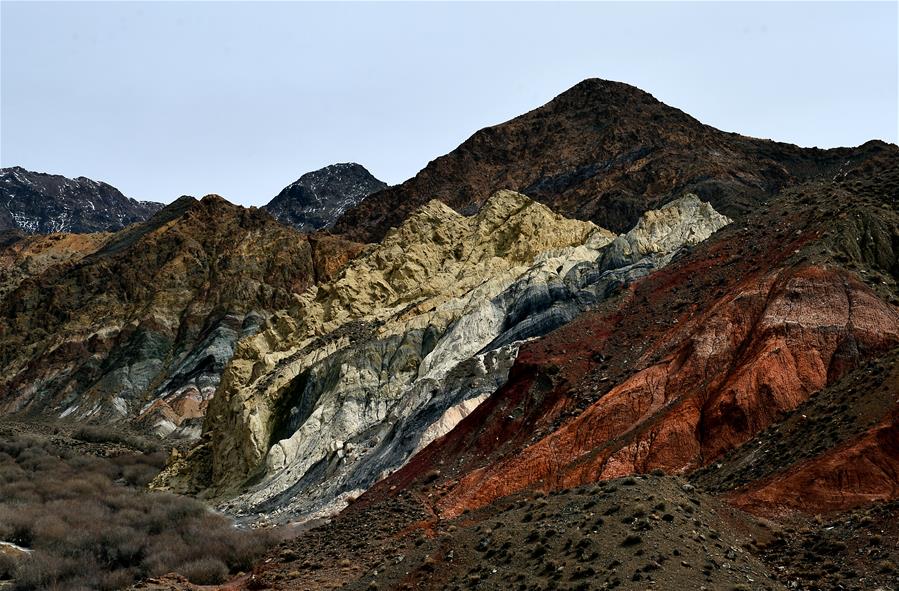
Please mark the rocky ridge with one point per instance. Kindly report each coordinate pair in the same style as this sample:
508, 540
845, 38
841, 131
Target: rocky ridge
415, 279
318, 198
140, 323
39, 203
606, 152
337, 413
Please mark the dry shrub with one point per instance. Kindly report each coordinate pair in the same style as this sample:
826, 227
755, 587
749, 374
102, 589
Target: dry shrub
105, 434
205, 571
92, 525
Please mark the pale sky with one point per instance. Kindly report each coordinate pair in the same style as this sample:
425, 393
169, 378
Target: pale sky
240, 99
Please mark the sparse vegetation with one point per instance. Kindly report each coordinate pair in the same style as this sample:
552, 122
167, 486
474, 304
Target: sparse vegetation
105, 434
89, 522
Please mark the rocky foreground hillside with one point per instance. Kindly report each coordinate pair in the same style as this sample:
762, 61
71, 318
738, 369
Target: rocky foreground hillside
39, 203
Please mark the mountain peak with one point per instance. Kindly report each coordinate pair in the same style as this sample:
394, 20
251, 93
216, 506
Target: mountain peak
601, 151
600, 96
42, 203
214, 199
318, 198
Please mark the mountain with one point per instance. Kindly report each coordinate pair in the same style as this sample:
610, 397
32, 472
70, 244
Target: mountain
318, 198
788, 311
409, 338
599, 346
725, 419
140, 323
39, 203
606, 152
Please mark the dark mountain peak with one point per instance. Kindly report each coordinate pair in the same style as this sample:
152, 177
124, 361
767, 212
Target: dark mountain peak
335, 169
12, 169
41, 203
215, 210
183, 201
593, 90
214, 200
318, 198
601, 151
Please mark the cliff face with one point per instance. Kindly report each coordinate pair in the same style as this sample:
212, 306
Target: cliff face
837, 450
38, 203
318, 198
142, 322
345, 389
605, 152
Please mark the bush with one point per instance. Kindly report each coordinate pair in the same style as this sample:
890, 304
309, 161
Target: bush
102, 434
205, 571
91, 524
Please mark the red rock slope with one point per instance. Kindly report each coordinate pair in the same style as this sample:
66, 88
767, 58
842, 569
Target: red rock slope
699, 358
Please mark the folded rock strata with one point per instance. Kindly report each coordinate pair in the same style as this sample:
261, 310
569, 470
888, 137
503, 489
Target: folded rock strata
342, 391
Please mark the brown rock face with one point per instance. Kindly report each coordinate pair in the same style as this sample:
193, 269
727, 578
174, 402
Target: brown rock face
28, 256
605, 152
863, 471
835, 451
106, 325
698, 358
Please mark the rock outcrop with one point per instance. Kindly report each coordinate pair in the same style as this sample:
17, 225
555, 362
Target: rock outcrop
835, 451
786, 334
140, 323
347, 388
38, 203
30, 255
318, 198
400, 294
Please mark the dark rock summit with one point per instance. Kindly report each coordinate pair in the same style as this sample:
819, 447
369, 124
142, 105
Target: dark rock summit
318, 198
39, 203
606, 152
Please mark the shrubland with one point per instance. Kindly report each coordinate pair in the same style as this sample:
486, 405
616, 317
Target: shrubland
79, 504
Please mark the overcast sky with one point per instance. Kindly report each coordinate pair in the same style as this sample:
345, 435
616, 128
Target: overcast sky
240, 99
